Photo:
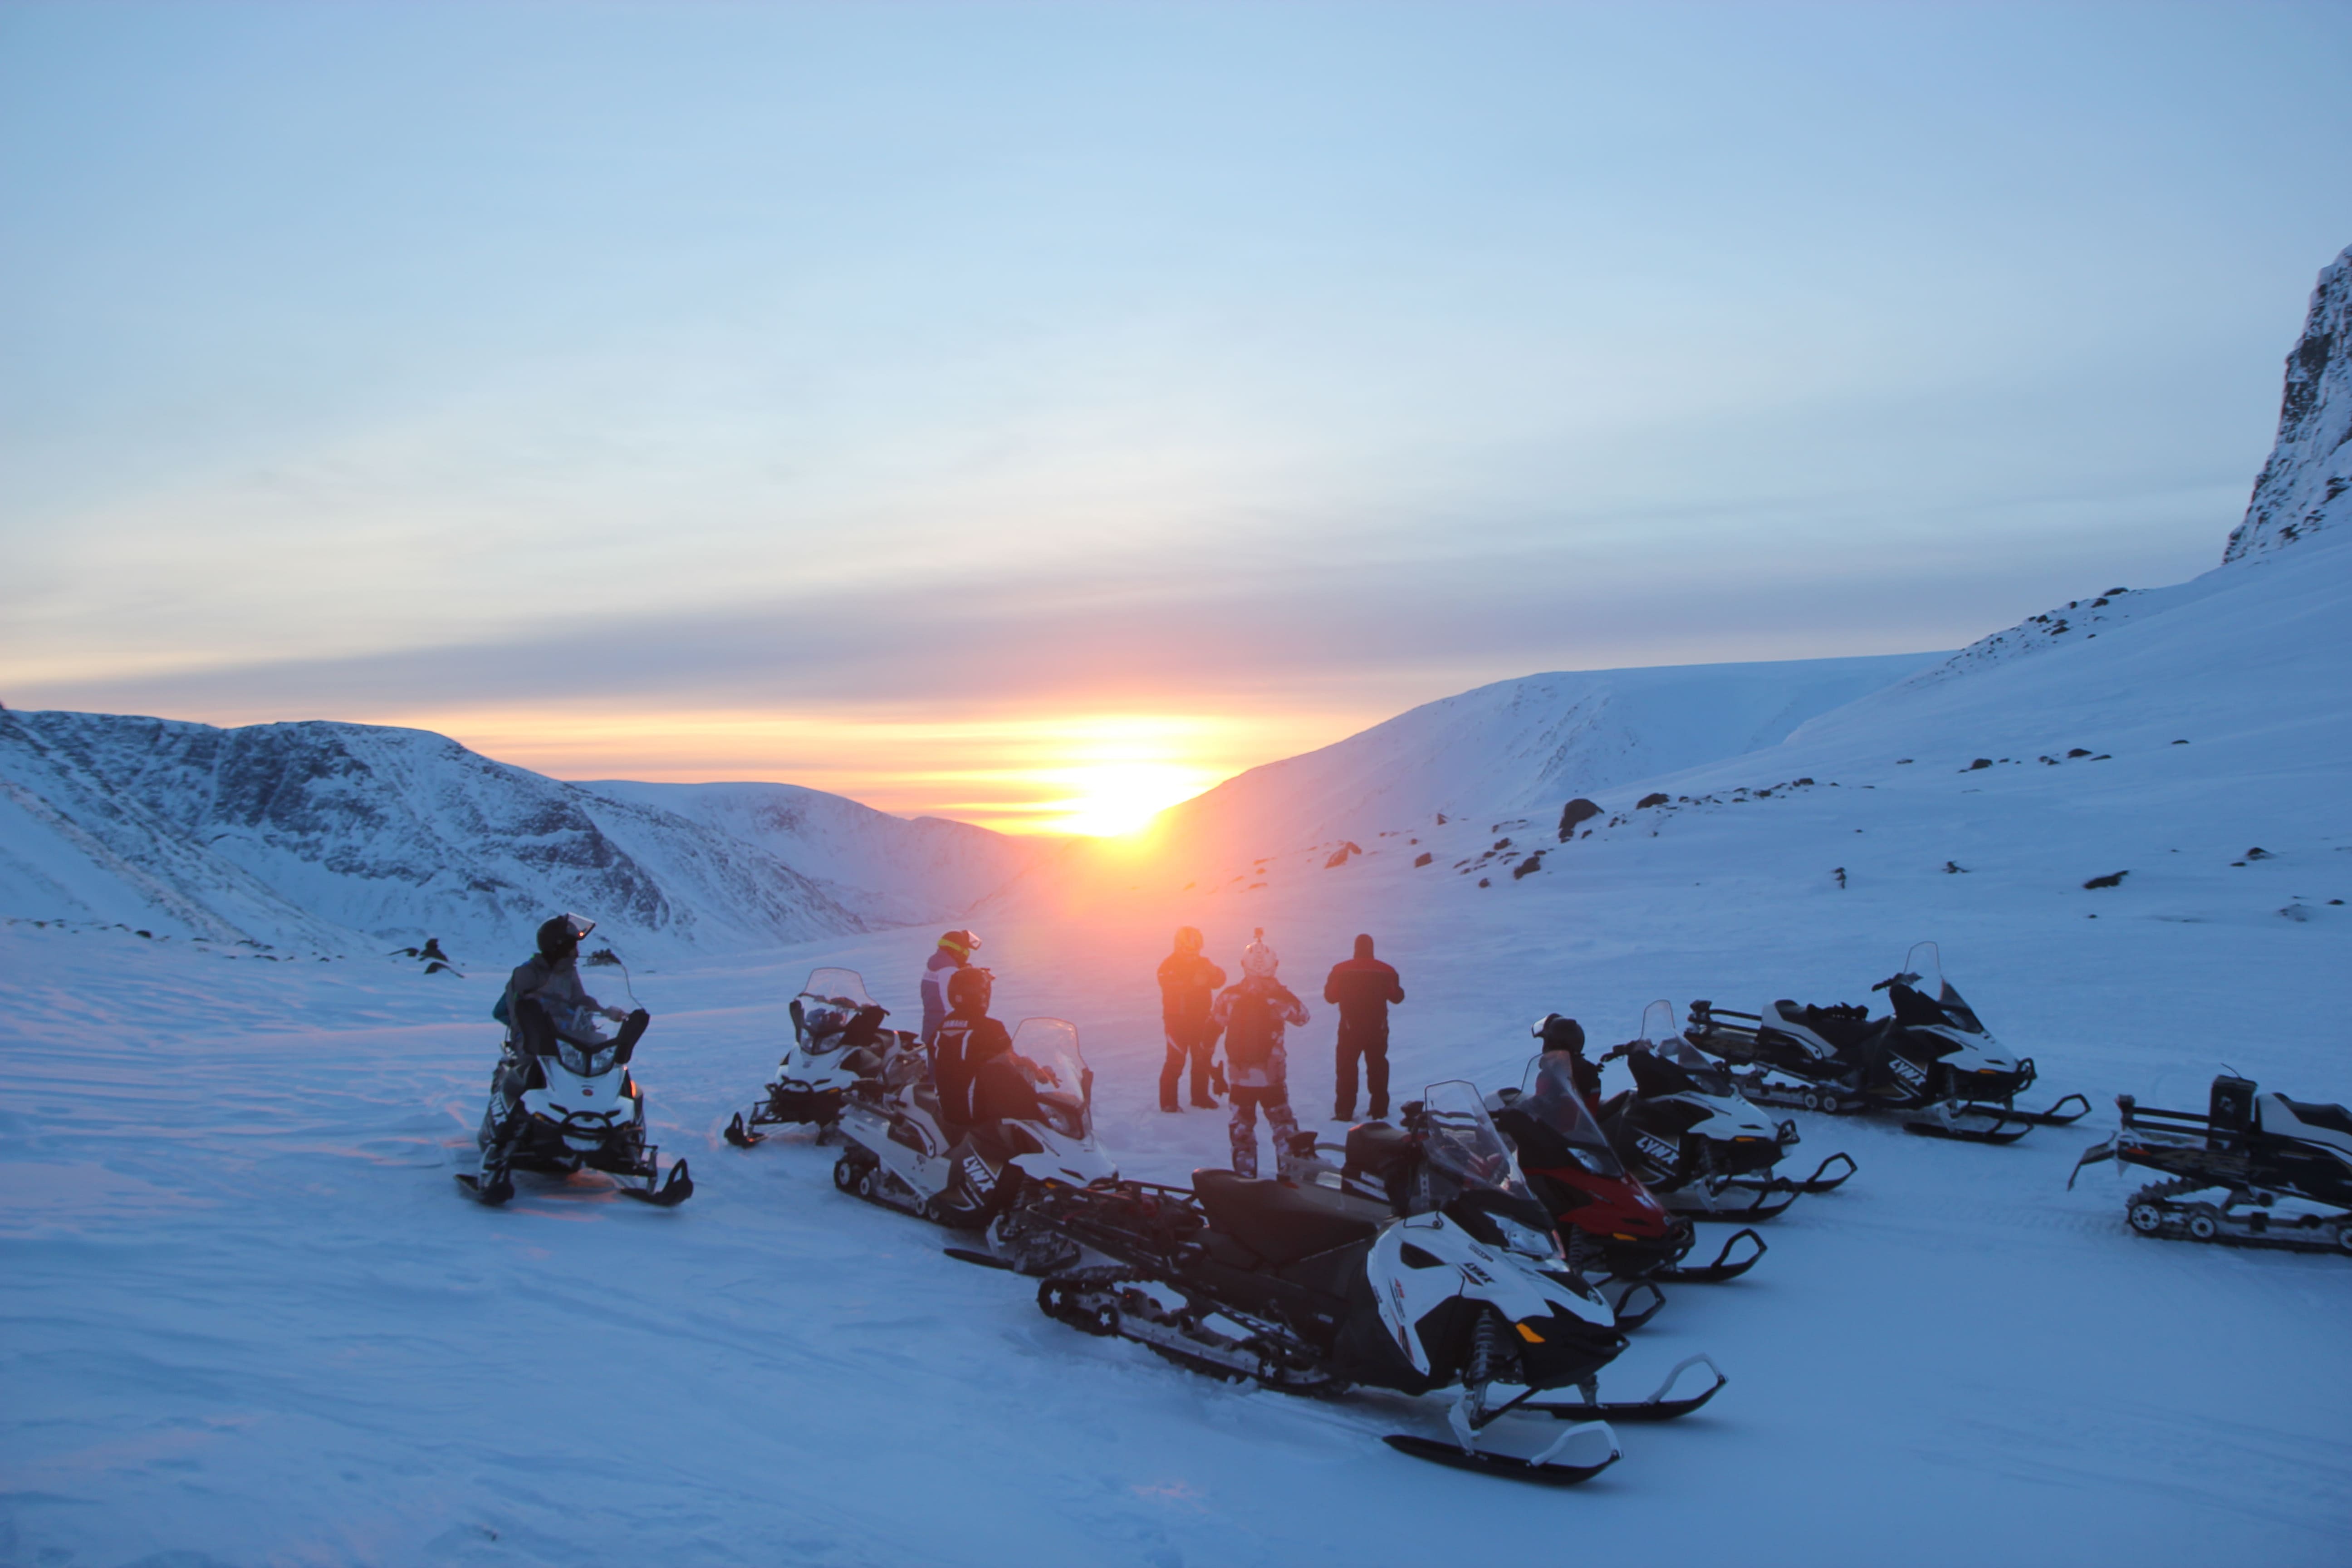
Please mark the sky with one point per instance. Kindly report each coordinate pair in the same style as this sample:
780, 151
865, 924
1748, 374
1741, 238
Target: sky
1033, 414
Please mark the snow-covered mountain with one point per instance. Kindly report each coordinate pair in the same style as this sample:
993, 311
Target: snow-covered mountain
1519, 746
2223, 652
317, 834
889, 870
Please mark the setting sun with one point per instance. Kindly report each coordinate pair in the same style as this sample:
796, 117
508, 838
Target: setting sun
1117, 798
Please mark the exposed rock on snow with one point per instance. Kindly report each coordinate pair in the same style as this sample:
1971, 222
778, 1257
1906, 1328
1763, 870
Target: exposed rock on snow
1574, 812
2304, 486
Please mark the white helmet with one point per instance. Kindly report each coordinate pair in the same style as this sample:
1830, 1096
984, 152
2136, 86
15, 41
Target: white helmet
1259, 961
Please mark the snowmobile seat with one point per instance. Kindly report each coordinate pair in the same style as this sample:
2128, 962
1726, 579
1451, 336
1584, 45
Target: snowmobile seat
1373, 1149
1283, 1224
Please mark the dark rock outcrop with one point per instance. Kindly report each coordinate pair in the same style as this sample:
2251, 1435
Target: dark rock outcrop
2307, 484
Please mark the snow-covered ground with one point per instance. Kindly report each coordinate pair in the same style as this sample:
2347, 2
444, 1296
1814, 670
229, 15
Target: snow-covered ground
246, 1316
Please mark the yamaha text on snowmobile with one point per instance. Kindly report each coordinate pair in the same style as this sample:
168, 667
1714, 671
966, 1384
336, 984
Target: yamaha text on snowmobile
838, 1040
1931, 1058
1307, 1285
564, 1101
1685, 1134
1613, 1224
2255, 1170
901, 1151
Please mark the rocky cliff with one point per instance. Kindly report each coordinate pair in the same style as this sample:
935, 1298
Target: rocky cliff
2306, 486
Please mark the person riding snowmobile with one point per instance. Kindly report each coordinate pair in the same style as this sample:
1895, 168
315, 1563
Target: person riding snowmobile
949, 958
980, 1079
1565, 1036
1187, 990
1251, 1015
1363, 989
549, 981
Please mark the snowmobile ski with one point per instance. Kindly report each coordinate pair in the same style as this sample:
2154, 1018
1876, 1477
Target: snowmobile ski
984, 1259
489, 1197
1549, 1473
2056, 1116
673, 1190
1721, 1270
1944, 1122
1655, 1408
741, 1136
1629, 1317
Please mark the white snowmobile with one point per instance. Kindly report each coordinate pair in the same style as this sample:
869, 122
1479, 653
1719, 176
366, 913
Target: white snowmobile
1304, 1285
2255, 1170
902, 1153
562, 1099
838, 1041
1691, 1138
1932, 1056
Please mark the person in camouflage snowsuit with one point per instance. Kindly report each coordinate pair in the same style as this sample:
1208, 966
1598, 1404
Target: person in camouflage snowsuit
1252, 1016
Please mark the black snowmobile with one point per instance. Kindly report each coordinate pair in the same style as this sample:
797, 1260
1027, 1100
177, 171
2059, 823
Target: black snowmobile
2255, 1170
1687, 1134
1305, 1284
562, 1099
1931, 1057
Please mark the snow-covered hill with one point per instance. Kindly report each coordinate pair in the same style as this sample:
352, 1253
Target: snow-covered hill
1516, 746
327, 836
889, 870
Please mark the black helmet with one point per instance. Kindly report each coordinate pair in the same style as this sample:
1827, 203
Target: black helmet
970, 989
1559, 1034
558, 939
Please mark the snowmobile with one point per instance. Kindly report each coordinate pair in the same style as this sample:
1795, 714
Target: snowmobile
1685, 1134
562, 1099
838, 1041
1307, 1285
1930, 1055
1613, 1225
901, 1153
2255, 1170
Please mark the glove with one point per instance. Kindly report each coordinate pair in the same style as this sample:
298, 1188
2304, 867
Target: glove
1217, 1077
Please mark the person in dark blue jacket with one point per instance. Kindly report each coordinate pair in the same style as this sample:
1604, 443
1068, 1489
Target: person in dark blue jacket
1363, 989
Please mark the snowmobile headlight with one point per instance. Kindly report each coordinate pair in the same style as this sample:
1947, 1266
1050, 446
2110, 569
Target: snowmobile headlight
1525, 1239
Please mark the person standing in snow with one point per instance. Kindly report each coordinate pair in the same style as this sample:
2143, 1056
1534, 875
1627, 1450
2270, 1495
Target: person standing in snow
1187, 990
1363, 988
1566, 1038
1250, 1016
953, 953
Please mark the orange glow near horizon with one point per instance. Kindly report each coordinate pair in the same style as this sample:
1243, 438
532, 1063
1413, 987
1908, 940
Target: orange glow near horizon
1101, 774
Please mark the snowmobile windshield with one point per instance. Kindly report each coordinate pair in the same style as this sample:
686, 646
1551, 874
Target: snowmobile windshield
1706, 1075
843, 988
1664, 1042
1063, 1086
1922, 996
1463, 1142
1547, 1097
